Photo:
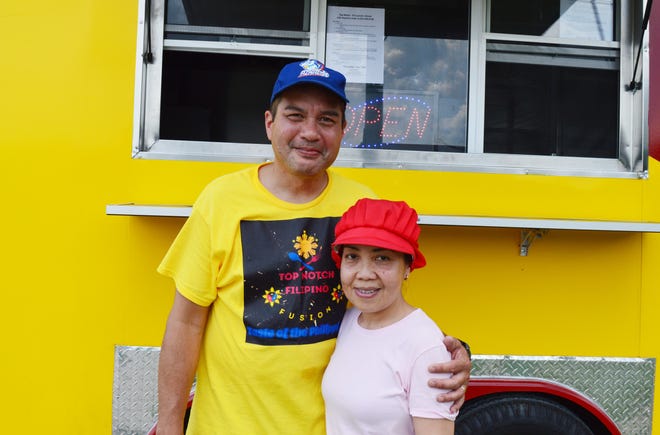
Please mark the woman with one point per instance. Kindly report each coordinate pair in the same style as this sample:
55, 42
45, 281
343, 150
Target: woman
376, 382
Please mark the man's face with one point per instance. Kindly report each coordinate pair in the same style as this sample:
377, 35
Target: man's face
306, 130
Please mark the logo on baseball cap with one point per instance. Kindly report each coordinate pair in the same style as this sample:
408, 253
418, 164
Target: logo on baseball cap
310, 71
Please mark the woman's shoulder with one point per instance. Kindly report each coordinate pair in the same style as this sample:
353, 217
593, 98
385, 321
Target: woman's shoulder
351, 314
426, 329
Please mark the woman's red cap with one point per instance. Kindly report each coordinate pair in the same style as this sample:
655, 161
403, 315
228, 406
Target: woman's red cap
381, 223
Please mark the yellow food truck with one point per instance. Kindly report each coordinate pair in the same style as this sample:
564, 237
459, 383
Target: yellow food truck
525, 133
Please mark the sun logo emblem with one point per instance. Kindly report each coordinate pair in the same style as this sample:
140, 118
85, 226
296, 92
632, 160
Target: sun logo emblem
305, 245
337, 294
272, 296
305, 251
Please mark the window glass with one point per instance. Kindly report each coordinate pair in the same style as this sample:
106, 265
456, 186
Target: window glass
281, 22
554, 99
216, 97
551, 110
577, 19
421, 103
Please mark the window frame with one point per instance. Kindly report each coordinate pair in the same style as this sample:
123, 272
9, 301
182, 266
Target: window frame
632, 161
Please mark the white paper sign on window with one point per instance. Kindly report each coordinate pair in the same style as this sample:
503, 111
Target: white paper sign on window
355, 43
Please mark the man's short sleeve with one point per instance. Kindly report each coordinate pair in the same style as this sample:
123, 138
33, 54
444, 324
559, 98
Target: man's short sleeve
189, 261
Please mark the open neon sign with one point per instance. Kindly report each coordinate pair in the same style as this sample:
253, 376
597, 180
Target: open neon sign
389, 120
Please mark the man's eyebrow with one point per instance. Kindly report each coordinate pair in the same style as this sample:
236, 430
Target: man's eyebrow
293, 108
330, 112
327, 112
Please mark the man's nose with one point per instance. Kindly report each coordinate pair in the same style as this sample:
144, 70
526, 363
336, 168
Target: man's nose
310, 130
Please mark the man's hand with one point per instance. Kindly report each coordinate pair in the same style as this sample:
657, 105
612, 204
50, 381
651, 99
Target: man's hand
459, 366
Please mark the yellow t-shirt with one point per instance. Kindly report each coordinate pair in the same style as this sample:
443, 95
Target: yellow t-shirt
265, 267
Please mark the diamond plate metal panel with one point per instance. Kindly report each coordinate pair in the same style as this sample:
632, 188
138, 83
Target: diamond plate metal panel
135, 390
623, 387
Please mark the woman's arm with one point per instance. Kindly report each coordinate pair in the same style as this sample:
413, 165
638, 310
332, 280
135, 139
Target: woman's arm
433, 426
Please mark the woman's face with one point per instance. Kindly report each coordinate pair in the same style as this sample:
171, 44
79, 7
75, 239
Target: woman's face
372, 278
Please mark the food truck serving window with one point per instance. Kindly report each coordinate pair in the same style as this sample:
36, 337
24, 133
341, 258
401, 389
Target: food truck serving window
468, 85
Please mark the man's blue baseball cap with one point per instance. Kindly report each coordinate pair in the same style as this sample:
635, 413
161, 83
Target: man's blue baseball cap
310, 71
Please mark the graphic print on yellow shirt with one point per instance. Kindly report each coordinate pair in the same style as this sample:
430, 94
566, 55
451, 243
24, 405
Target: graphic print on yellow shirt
292, 290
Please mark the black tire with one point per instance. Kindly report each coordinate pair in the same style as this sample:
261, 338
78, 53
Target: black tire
518, 414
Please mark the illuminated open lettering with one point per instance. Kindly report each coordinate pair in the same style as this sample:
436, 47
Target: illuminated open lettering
390, 120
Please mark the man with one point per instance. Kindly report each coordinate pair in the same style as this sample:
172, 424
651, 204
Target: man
258, 301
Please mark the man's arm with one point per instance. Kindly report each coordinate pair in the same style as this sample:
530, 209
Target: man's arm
179, 355
460, 366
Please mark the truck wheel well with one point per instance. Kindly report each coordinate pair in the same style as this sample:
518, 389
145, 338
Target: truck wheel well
520, 413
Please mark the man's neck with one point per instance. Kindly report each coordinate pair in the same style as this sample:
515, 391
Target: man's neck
292, 188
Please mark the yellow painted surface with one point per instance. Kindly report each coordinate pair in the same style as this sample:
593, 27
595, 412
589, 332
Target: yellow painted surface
76, 282
510, 195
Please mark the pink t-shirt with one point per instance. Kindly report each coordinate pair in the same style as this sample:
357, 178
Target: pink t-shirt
377, 378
